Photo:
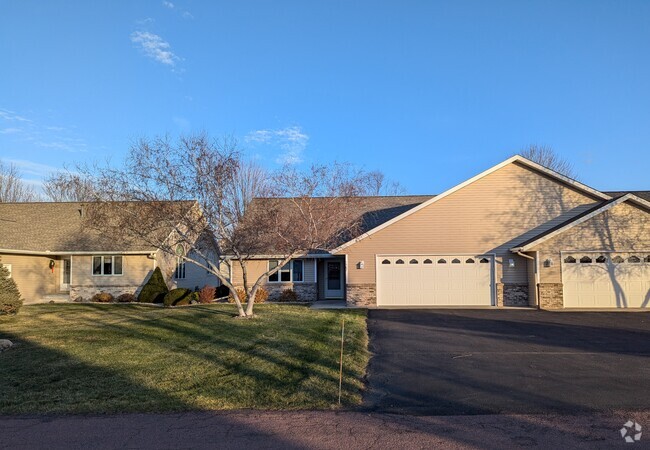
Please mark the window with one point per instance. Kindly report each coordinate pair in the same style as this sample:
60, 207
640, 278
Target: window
617, 259
107, 265
469, 261
601, 259
179, 272
428, 261
442, 261
634, 259
455, 261
569, 260
484, 261
8, 267
385, 261
585, 260
291, 271
399, 261
413, 261
297, 270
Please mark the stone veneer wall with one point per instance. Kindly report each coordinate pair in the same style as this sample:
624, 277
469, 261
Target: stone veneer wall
512, 294
307, 292
361, 294
551, 296
85, 293
515, 294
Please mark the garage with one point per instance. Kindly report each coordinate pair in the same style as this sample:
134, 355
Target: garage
606, 280
435, 280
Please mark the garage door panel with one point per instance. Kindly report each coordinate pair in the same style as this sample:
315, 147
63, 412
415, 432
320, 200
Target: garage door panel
438, 282
619, 280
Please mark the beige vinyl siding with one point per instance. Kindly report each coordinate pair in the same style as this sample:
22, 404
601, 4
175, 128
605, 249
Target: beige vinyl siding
490, 215
256, 267
135, 270
33, 275
625, 227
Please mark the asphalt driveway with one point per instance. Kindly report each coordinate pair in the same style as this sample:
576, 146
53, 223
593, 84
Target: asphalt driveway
448, 362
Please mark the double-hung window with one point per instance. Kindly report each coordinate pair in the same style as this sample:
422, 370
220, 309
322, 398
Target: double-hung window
291, 271
107, 265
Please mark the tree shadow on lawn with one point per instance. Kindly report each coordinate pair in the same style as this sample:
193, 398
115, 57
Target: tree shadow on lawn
288, 365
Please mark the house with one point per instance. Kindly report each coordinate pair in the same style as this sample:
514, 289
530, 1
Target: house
518, 234
52, 254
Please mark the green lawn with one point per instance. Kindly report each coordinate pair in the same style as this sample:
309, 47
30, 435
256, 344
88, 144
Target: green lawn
95, 358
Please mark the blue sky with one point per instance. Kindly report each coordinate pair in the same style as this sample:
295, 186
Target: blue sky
430, 92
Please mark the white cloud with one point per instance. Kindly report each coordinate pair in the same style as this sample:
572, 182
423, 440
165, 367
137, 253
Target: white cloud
291, 140
154, 47
31, 168
187, 15
21, 129
167, 4
12, 116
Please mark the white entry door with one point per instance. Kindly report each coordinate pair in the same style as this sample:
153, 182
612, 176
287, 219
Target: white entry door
434, 280
333, 279
66, 266
607, 280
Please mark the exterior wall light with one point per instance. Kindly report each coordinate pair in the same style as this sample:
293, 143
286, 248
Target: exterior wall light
548, 262
511, 263
361, 265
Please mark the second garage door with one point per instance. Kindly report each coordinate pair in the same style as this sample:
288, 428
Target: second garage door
607, 280
434, 280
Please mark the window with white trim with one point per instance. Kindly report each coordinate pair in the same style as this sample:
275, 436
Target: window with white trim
8, 267
107, 265
293, 271
179, 272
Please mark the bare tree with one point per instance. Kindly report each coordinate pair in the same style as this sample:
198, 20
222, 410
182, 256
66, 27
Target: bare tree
547, 157
202, 188
68, 187
378, 184
12, 187
250, 180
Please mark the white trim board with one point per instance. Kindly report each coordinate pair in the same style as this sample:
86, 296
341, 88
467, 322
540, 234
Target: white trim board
516, 158
618, 201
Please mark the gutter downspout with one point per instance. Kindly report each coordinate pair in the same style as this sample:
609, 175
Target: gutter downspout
533, 258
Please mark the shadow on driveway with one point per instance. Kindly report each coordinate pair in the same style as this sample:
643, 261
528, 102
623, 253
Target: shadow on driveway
447, 362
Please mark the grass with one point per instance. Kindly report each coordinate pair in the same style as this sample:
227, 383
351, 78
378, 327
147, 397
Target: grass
94, 358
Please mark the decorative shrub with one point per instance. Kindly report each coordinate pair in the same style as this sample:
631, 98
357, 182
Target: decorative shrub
221, 292
175, 295
155, 289
260, 297
10, 300
188, 299
102, 297
126, 298
288, 295
206, 295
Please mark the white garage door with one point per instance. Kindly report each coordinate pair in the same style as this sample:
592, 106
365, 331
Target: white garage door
608, 280
434, 280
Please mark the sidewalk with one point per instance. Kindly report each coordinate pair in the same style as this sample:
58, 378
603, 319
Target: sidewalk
318, 430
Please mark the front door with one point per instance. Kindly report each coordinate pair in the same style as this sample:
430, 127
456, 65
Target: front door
333, 279
65, 274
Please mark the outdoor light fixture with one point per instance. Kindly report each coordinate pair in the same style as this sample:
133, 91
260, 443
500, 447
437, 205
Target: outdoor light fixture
511, 263
548, 262
361, 265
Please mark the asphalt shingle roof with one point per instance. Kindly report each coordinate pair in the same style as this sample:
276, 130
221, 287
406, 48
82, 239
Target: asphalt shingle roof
56, 227
645, 195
